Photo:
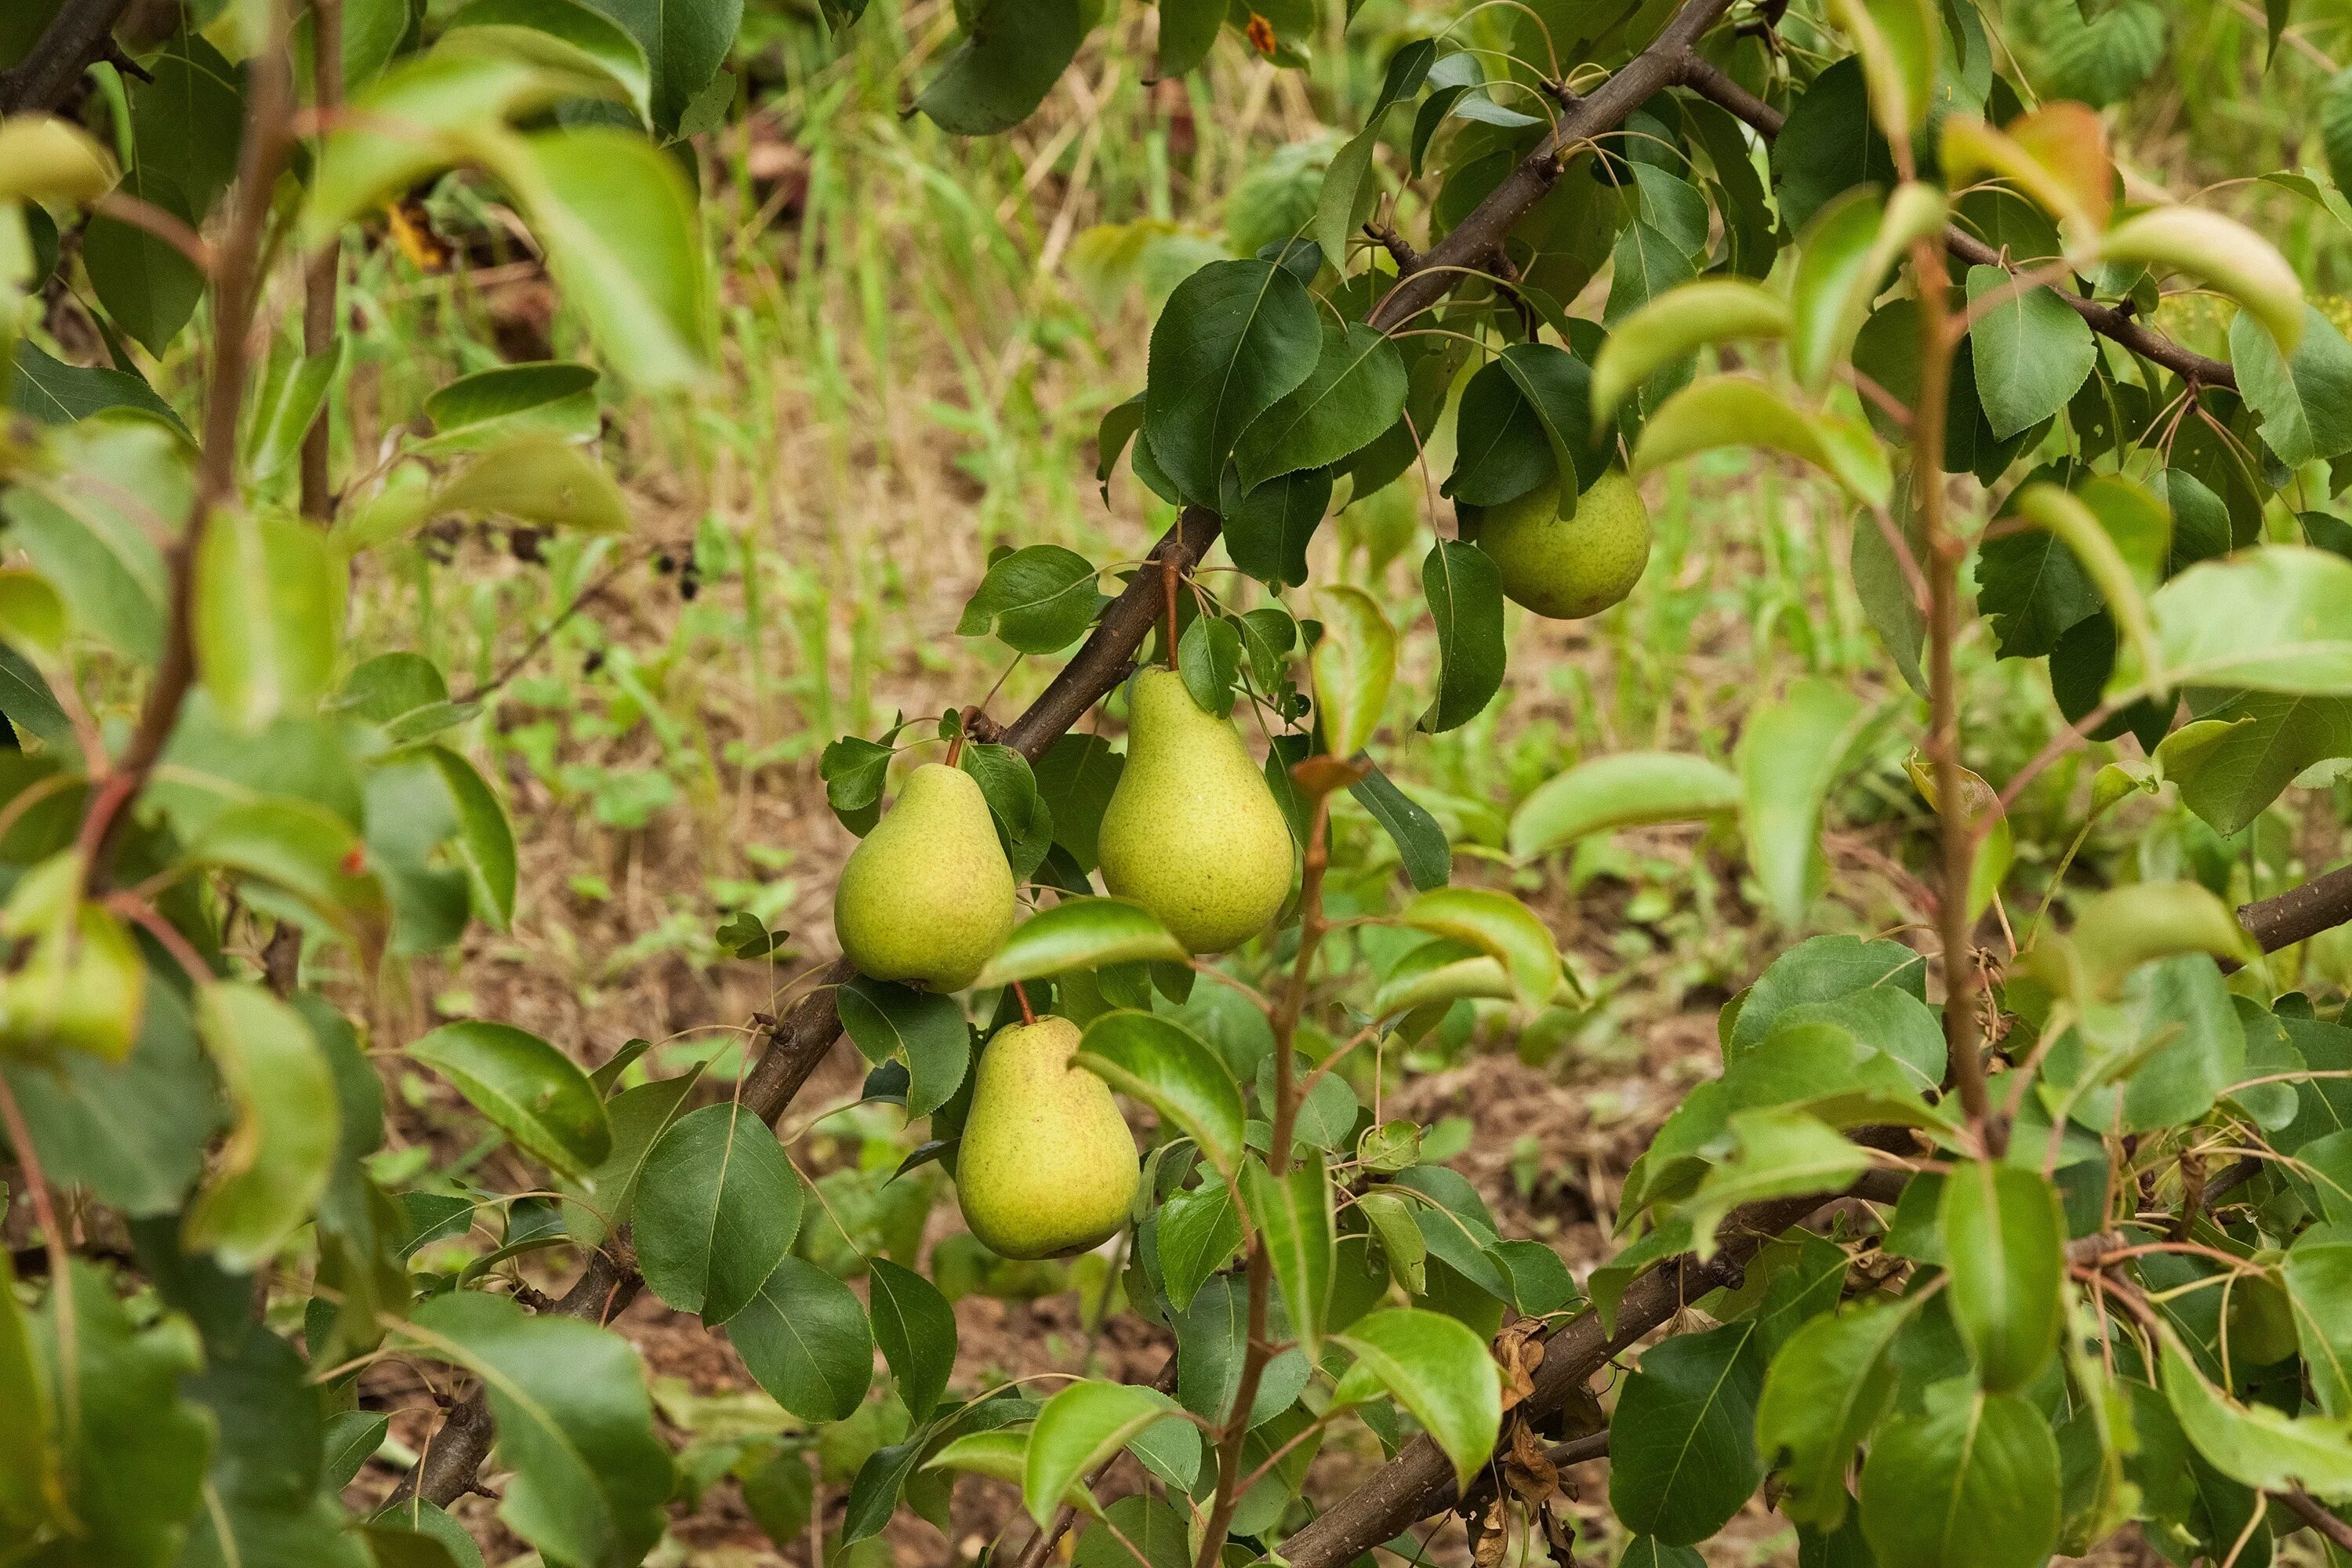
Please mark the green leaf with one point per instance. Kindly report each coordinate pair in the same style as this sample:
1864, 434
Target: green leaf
2270, 739
2030, 352
1497, 924
1828, 144
1353, 662
917, 1330
90, 540
483, 841
1188, 29
1973, 1483
1669, 329
1081, 933
1166, 1065
2306, 403
1075, 778
1781, 1153
1826, 1389
188, 123
928, 1031
1136, 1524
1234, 339
269, 615
2225, 253
717, 1205
282, 1147
54, 392
571, 37
288, 403
1209, 659
1789, 756
1039, 600
148, 288
2004, 1244
1269, 529
1198, 1232
804, 1338
1682, 1443
1210, 1342
2275, 619
544, 398
1348, 194
32, 1486
536, 479
1080, 1428
1741, 411
638, 1117
1293, 1213
1437, 1369
625, 240
2258, 1443
1356, 391
1848, 250
1419, 838
1011, 54
533, 1091
1502, 449
264, 1501
1556, 389
136, 1459
2336, 127
1465, 590
574, 1425
133, 1133
1626, 789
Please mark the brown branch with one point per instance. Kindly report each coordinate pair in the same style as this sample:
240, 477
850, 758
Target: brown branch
321, 277
1602, 110
1420, 1480
2106, 320
77, 34
2299, 914
237, 283
808, 1030
2317, 1515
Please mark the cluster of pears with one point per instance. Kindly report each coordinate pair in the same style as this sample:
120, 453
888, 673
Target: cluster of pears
1047, 1167
1573, 566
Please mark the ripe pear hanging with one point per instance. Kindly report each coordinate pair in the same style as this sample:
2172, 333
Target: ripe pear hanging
1047, 1167
1569, 567
1191, 832
927, 898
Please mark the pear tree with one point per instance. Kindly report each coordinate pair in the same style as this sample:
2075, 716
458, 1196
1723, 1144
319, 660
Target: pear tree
1982, 1247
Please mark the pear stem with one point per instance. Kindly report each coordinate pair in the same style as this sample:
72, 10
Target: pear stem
1028, 1015
955, 750
1171, 573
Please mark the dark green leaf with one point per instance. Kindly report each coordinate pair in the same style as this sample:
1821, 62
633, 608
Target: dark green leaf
148, 288
1356, 390
717, 1204
2306, 402
917, 1331
927, 1029
1234, 339
1682, 1451
1466, 598
805, 1340
1267, 529
1420, 841
1972, 1484
1825, 1391
1828, 144
1075, 777
2004, 1244
1011, 54
685, 44
54, 392
574, 1425
1038, 600
531, 1090
2029, 353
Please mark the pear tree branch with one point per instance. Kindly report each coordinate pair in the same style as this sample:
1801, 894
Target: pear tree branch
79, 34
1709, 82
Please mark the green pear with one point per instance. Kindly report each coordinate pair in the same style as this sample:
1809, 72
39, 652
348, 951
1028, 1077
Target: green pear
1569, 568
1047, 1167
927, 897
1191, 832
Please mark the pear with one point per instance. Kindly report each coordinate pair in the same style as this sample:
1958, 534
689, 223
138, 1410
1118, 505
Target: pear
1191, 832
1569, 568
927, 897
1047, 1167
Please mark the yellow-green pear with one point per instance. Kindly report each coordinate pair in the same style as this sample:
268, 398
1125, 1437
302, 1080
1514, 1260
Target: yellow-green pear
1047, 1167
1191, 832
1568, 567
928, 898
